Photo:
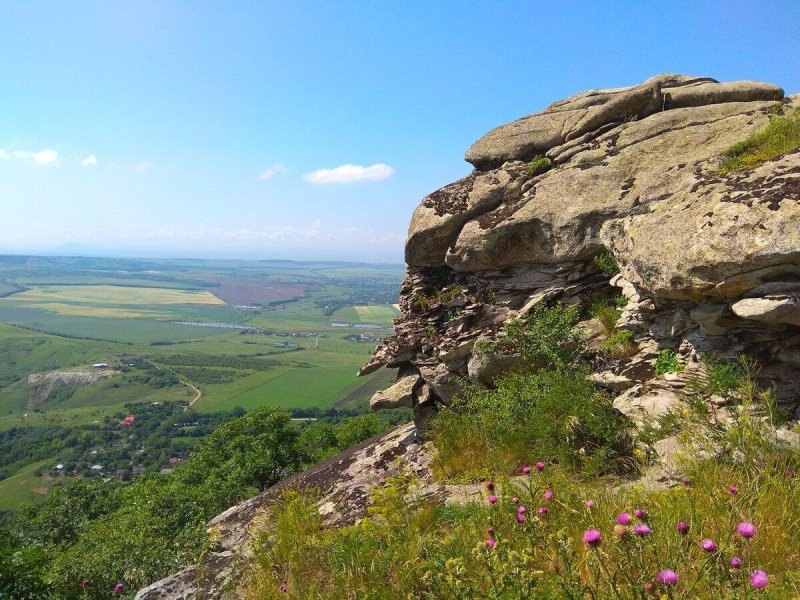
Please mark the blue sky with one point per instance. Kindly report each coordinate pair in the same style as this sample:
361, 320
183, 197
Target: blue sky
226, 129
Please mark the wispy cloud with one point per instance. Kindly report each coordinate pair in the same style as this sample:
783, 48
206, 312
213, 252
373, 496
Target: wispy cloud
350, 174
89, 161
41, 157
142, 166
272, 170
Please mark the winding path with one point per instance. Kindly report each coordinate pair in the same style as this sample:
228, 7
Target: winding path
196, 398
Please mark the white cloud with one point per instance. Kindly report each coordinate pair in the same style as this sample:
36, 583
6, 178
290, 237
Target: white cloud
89, 161
142, 166
42, 157
273, 170
3, 154
350, 174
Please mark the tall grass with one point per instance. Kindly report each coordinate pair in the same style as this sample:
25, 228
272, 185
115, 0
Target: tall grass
780, 135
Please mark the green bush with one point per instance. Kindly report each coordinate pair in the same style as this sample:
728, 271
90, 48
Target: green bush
538, 165
620, 344
779, 136
495, 431
546, 338
606, 262
667, 362
606, 312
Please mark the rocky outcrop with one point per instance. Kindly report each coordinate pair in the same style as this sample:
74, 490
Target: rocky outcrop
41, 385
709, 263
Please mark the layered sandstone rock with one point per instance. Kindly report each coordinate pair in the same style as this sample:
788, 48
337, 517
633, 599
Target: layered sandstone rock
709, 263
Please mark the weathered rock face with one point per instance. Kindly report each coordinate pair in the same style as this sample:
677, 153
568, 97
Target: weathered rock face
709, 262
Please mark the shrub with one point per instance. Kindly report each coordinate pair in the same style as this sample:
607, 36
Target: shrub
546, 338
494, 431
607, 313
538, 165
449, 293
420, 302
779, 136
667, 362
620, 344
606, 262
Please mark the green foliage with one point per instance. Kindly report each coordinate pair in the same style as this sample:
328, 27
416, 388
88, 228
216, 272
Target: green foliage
607, 312
779, 136
491, 297
431, 333
620, 344
606, 262
447, 294
546, 338
453, 313
495, 431
667, 362
539, 164
420, 302
428, 551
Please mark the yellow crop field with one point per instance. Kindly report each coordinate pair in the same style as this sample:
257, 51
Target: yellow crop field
114, 295
105, 312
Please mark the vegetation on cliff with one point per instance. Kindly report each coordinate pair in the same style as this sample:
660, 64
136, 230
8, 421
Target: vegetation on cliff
779, 136
549, 523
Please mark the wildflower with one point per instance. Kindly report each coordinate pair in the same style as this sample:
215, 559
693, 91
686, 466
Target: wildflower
85, 582
790, 473
515, 500
548, 494
520, 518
490, 485
641, 530
667, 577
640, 513
119, 586
592, 537
589, 504
521, 508
733, 490
544, 510
283, 588
540, 466
746, 529
526, 470
649, 586
623, 518
620, 531
492, 499
686, 481
736, 562
490, 543
490, 532
759, 579
708, 545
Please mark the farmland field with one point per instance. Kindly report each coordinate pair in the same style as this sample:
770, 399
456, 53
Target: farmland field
244, 333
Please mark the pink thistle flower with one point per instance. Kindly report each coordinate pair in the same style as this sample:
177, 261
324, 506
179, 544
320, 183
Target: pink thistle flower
283, 588
589, 504
790, 473
592, 537
641, 530
683, 527
649, 586
521, 509
640, 513
746, 529
490, 543
708, 545
492, 499
526, 470
736, 562
686, 481
118, 588
520, 518
548, 494
544, 510
667, 577
489, 485
759, 579
623, 518
490, 532
85, 582
540, 466
733, 490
